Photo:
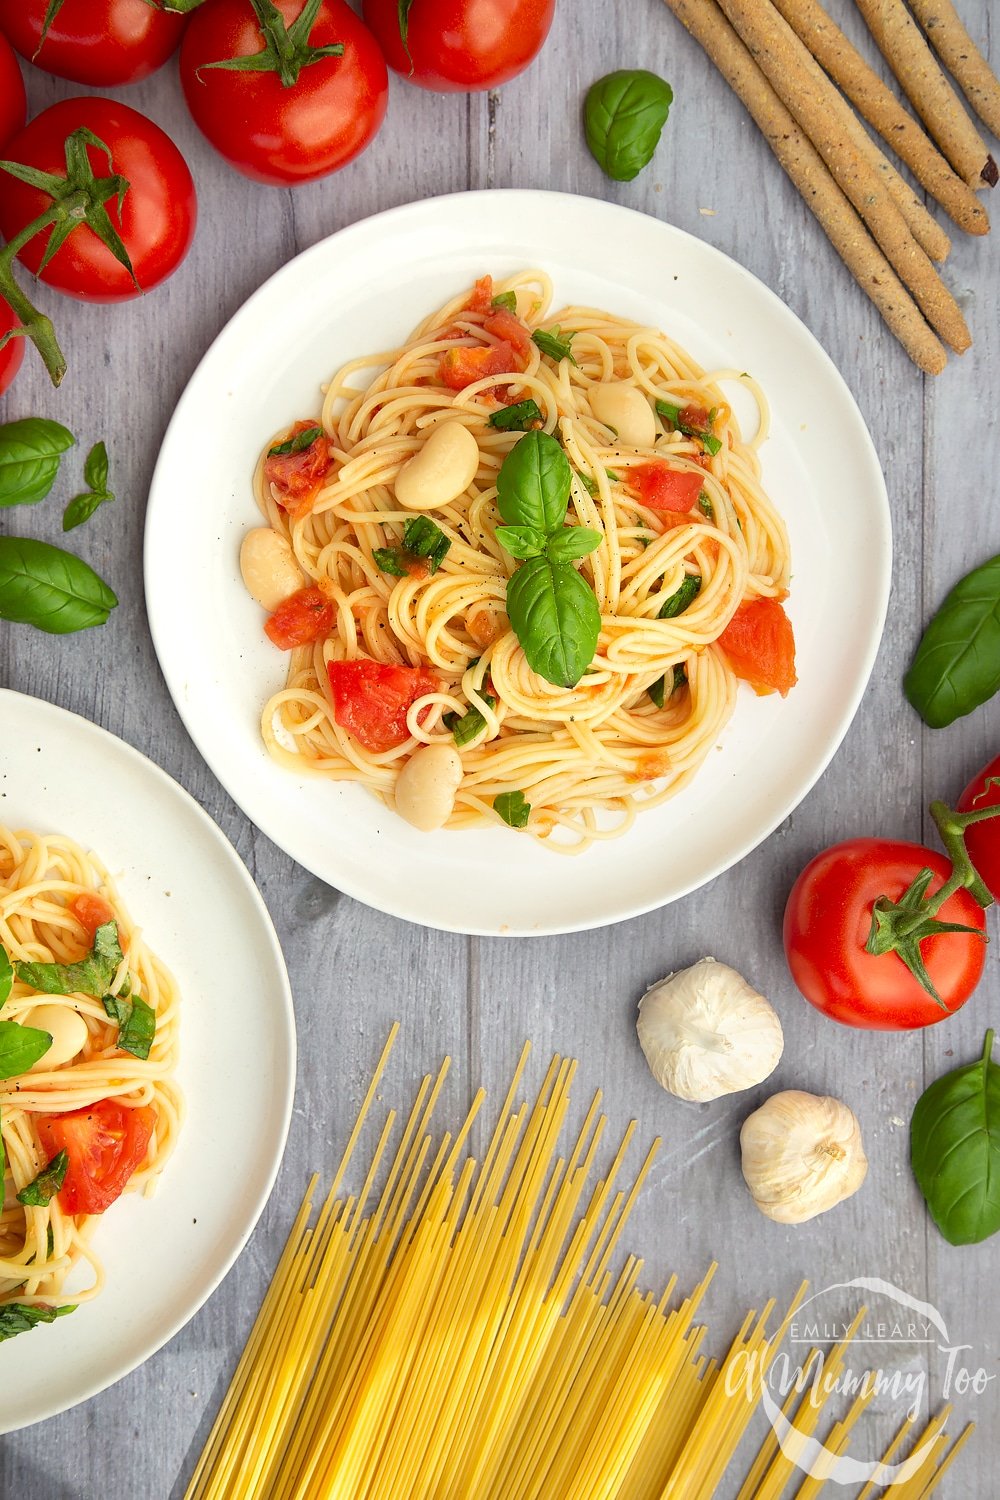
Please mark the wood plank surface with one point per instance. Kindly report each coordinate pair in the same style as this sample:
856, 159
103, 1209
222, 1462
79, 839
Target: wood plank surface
353, 969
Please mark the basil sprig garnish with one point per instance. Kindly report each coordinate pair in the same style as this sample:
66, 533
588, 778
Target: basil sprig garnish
92, 975
553, 611
20, 1317
31, 451
49, 588
297, 444
44, 1187
521, 417
555, 344
95, 473
957, 665
513, 808
136, 1022
679, 600
955, 1150
423, 541
506, 300
671, 413
624, 115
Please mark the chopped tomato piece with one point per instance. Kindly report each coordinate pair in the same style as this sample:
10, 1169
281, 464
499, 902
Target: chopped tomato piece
507, 326
372, 698
482, 295
304, 617
662, 488
299, 476
760, 646
694, 416
105, 1142
460, 367
91, 911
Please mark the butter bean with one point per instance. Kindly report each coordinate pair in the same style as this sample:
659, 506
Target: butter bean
67, 1029
269, 569
426, 786
443, 469
626, 409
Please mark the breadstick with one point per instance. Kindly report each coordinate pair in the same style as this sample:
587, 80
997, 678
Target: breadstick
807, 170
962, 58
793, 74
880, 107
902, 44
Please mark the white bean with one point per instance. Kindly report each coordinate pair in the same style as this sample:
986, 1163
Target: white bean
443, 469
626, 409
68, 1031
269, 569
426, 786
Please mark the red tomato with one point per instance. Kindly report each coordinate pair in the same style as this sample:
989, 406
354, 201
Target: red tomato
100, 42
277, 134
660, 487
297, 478
157, 218
760, 646
105, 1142
91, 911
371, 699
460, 367
503, 325
11, 354
829, 916
461, 45
982, 840
481, 299
13, 102
304, 617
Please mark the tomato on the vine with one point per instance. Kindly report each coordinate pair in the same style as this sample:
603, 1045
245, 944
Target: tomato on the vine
157, 217
11, 354
13, 100
983, 839
460, 45
315, 101
828, 919
100, 42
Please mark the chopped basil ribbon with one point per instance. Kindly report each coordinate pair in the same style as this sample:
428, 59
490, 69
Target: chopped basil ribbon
92, 975
512, 807
518, 418
555, 344
136, 1021
705, 505
657, 689
48, 1182
679, 600
467, 726
672, 414
423, 541
506, 300
297, 444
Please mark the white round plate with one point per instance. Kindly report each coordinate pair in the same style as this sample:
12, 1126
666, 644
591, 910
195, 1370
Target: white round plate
186, 887
363, 290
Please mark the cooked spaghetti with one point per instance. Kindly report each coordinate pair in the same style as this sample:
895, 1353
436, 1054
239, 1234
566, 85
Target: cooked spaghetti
89, 1118
690, 566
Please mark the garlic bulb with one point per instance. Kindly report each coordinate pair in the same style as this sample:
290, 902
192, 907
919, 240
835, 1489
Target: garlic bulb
706, 1033
802, 1154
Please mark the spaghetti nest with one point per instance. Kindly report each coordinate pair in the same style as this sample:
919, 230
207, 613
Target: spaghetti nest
52, 892
640, 722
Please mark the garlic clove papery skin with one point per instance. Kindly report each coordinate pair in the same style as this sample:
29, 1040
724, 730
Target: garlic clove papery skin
802, 1155
706, 1032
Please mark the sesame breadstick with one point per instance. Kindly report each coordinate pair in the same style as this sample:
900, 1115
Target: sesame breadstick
962, 58
902, 44
810, 175
808, 95
879, 106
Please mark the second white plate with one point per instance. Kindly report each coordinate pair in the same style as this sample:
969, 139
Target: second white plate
364, 289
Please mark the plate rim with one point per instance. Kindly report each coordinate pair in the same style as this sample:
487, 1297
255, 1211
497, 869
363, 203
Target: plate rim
780, 310
56, 714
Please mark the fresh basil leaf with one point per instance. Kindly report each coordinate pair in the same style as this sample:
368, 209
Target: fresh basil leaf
136, 1021
624, 115
95, 469
680, 678
955, 1150
470, 724
92, 975
571, 543
81, 508
297, 444
19, 1317
590, 485
679, 600
20, 1048
30, 454
555, 616
657, 690
424, 538
51, 589
520, 417
705, 505
534, 482
391, 560
555, 344
95, 472
522, 541
6, 977
957, 664
506, 300
512, 807
48, 1182
669, 411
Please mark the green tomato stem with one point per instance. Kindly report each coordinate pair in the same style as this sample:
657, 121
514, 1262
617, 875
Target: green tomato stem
34, 325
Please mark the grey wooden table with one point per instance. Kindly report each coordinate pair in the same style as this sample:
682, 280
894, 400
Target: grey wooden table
353, 969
